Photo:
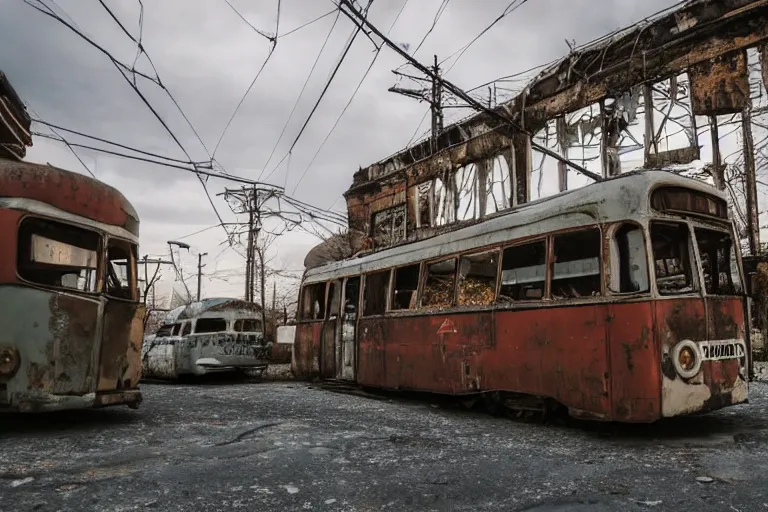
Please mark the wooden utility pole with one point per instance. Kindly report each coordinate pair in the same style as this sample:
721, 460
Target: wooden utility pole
753, 222
434, 97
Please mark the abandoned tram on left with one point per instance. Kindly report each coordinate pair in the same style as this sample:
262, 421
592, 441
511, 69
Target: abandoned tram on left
71, 322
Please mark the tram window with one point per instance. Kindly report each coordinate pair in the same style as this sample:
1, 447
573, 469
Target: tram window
164, 331
576, 264
313, 302
248, 325
406, 286
56, 254
121, 269
334, 299
176, 329
629, 272
439, 284
672, 260
351, 297
376, 293
186, 329
524, 272
477, 279
207, 325
718, 261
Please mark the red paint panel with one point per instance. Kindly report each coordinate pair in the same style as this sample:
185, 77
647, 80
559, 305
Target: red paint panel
306, 348
635, 369
68, 191
9, 227
328, 355
725, 318
680, 319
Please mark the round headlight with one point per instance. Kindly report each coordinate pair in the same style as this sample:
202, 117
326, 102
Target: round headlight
686, 358
9, 361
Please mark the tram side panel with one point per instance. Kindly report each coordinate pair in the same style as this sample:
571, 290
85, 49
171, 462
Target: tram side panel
306, 350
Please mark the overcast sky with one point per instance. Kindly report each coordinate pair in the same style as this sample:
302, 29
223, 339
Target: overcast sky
207, 56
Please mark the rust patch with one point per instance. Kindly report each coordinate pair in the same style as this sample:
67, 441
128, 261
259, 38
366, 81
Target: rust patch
720, 86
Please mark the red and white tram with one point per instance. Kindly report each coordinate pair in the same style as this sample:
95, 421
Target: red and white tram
622, 301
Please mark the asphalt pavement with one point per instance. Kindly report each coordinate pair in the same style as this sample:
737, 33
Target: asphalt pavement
285, 446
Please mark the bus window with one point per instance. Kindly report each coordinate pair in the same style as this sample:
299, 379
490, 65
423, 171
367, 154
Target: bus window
313, 302
672, 258
176, 330
121, 271
248, 325
576, 264
477, 279
439, 284
629, 264
524, 272
406, 285
60, 255
376, 293
718, 261
186, 329
207, 325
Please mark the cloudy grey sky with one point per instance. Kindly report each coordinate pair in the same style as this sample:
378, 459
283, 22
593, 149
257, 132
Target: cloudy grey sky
207, 56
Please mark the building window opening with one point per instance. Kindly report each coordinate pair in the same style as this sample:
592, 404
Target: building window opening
439, 284
210, 325
389, 226
477, 279
58, 255
576, 265
718, 261
672, 260
406, 286
629, 263
376, 293
313, 302
524, 272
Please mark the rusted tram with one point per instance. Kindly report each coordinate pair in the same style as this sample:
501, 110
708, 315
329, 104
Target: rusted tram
211, 336
70, 317
621, 301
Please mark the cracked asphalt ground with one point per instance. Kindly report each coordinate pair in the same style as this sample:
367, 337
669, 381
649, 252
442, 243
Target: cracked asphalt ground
284, 446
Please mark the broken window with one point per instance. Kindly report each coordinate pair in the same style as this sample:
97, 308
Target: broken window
164, 331
121, 269
248, 325
466, 186
629, 265
718, 262
351, 297
670, 126
425, 204
671, 255
477, 278
376, 293
524, 272
445, 212
313, 302
438, 286
187, 329
499, 187
209, 325
389, 226
576, 265
334, 299
406, 286
56, 254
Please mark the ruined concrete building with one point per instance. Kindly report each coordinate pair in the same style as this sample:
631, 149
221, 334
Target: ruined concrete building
14, 123
683, 90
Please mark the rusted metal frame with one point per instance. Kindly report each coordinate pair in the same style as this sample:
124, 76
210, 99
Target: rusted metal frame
562, 145
696, 285
609, 235
718, 171
610, 79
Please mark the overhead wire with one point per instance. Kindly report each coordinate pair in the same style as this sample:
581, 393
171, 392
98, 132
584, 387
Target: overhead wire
301, 93
328, 83
273, 39
343, 111
308, 23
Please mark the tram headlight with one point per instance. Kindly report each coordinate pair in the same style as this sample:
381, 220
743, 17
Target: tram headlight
9, 361
686, 359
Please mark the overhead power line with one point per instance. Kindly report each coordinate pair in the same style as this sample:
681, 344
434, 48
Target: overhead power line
353, 13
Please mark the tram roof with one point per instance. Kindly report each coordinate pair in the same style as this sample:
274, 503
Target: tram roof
71, 192
623, 197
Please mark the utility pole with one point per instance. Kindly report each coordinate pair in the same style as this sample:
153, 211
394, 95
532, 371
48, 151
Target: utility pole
200, 273
434, 98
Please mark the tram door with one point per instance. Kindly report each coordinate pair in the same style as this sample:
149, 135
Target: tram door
328, 337
345, 356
